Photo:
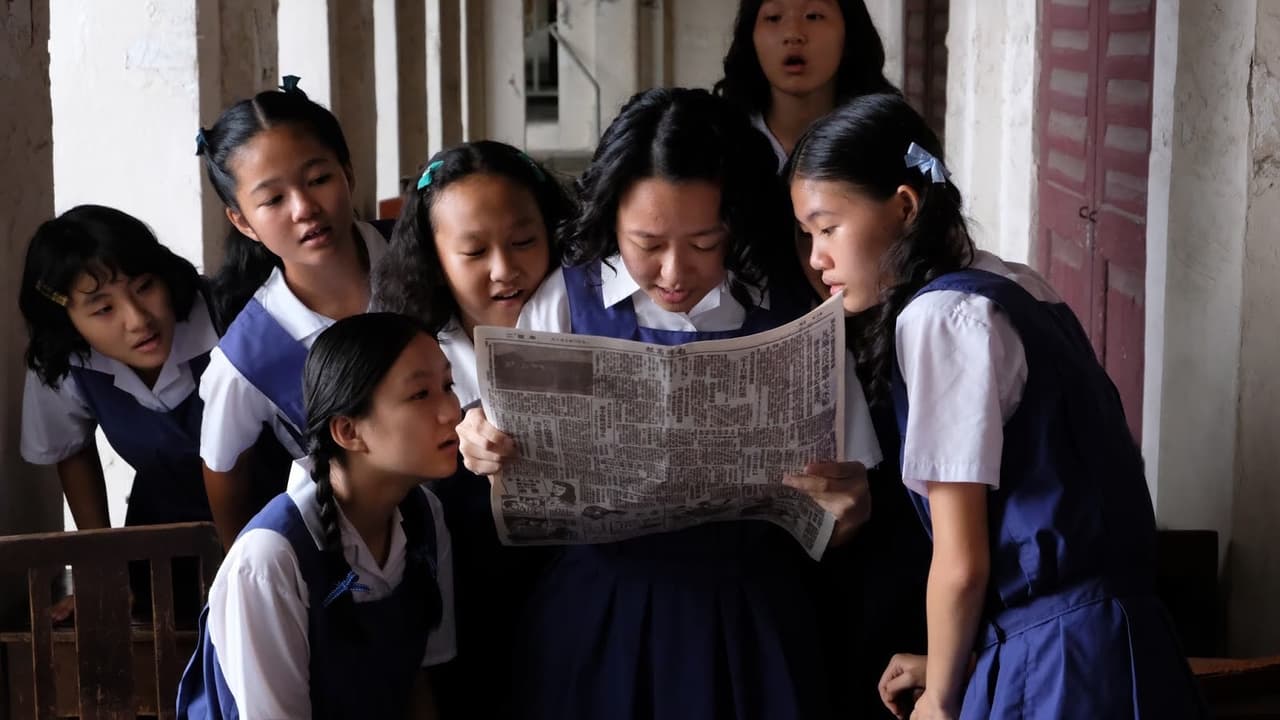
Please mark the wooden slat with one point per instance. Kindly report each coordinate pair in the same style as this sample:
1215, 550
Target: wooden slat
39, 589
105, 650
169, 664
134, 543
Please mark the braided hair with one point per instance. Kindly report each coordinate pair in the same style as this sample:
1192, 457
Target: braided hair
344, 367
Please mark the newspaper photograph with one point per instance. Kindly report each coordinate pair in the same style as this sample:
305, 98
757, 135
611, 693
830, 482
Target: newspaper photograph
619, 438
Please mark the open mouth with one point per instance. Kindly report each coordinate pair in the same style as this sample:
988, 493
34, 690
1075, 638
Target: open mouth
149, 343
316, 234
794, 63
451, 443
507, 296
673, 297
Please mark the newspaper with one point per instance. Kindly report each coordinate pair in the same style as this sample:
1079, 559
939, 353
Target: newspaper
619, 439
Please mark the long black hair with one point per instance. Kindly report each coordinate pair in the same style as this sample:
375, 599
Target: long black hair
682, 134
104, 243
864, 144
343, 369
247, 264
409, 278
861, 70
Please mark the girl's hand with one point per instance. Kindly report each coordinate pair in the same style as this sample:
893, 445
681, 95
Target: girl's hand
485, 448
902, 683
930, 707
841, 489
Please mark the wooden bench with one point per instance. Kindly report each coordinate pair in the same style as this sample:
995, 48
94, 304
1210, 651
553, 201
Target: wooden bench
1240, 689
106, 666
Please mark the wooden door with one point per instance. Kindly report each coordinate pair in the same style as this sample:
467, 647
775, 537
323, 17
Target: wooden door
1093, 123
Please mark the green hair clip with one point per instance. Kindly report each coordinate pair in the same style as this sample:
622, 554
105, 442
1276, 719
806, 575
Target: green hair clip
425, 180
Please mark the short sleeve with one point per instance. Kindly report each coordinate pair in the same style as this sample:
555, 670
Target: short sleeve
860, 441
964, 368
234, 411
442, 645
56, 422
548, 308
258, 627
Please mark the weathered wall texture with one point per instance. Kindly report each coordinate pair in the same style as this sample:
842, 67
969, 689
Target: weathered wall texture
30, 498
1198, 200
991, 87
1254, 558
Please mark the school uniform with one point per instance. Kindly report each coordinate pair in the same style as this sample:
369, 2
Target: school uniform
757, 121
254, 376
711, 621
491, 580
154, 429
1013, 398
289, 632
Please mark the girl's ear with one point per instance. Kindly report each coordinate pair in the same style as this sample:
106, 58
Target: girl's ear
346, 435
239, 223
908, 200
351, 176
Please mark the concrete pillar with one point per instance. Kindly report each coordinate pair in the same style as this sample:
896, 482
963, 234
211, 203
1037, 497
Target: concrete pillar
411, 71
701, 32
503, 73
655, 44
1253, 568
579, 104
355, 101
444, 80
990, 139
474, 111
1198, 199
238, 45
30, 497
386, 52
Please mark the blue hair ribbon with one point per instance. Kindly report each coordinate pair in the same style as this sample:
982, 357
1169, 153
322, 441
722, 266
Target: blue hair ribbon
202, 145
425, 180
290, 83
351, 583
918, 157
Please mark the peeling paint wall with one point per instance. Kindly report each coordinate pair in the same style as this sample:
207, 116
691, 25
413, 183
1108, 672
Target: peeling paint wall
1253, 569
30, 497
1197, 204
991, 91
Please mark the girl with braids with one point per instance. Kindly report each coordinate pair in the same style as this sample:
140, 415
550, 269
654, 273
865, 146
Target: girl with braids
296, 260
339, 592
717, 620
1013, 443
793, 61
476, 237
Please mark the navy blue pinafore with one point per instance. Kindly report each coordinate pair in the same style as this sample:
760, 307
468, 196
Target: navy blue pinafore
162, 447
715, 621
1072, 627
364, 656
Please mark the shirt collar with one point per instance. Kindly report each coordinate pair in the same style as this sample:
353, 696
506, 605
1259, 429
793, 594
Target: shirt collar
458, 347
192, 337
354, 550
296, 318
617, 284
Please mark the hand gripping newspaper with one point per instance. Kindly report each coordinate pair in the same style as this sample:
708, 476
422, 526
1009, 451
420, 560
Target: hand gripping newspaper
620, 438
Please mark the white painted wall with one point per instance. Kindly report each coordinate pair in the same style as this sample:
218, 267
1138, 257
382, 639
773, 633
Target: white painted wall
304, 46
991, 84
888, 17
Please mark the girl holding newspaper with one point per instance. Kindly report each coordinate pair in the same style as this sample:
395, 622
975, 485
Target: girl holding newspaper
716, 620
